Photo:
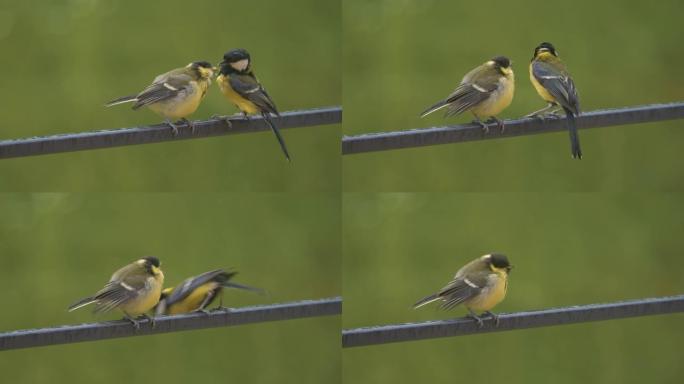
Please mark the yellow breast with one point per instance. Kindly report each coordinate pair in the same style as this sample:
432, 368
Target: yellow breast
540, 88
243, 104
145, 301
181, 107
499, 99
490, 296
193, 301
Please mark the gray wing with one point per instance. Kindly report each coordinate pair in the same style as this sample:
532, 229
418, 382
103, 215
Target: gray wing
248, 87
163, 88
558, 84
118, 292
190, 284
462, 288
465, 97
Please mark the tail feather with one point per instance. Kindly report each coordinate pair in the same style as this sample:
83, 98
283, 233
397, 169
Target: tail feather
434, 108
574, 136
81, 303
426, 300
275, 130
122, 100
229, 284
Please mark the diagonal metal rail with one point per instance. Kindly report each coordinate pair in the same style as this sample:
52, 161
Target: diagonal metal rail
70, 142
359, 337
165, 324
421, 137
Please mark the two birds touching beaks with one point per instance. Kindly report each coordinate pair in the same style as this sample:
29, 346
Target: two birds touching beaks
488, 89
137, 289
177, 94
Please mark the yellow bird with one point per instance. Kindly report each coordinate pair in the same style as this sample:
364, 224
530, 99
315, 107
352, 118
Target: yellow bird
241, 87
133, 289
175, 94
479, 285
198, 292
485, 91
553, 83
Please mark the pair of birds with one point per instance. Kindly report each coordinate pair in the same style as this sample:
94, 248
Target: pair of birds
178, 93
479, 285
137, 288
488, 89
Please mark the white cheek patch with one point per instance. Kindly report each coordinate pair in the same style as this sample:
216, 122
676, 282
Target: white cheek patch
240, 65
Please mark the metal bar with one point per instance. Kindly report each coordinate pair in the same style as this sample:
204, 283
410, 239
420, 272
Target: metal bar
511, 321
70, 142
164, 324
421, 137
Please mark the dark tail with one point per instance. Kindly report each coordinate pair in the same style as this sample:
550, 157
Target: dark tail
275, 130
426, 300
229, 284
574, 137
121, 100
433, 108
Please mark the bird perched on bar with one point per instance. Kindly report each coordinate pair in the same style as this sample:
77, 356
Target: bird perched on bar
175, 94
133, 289
479, 285
241, 87
553, 83
196, 293
485, 91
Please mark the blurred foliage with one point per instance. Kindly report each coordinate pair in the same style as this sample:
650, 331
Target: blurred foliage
62, 60
401, 56
57, 248
566, 248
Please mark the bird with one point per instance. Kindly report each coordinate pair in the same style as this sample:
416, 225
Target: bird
133, 289
485, 91
479, 285
241, 87
553, 83
175, 94
196, 293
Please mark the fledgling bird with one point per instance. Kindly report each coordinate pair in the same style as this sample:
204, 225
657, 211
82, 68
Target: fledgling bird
133, 289
175, 94
241, 87
485, 91
198, 292
479, 285
554, 84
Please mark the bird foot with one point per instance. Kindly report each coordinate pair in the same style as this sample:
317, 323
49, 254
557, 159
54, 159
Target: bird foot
484, 126
478, 319
499, 123
494, 316
190, 124
174, 127
203, 310
225, 119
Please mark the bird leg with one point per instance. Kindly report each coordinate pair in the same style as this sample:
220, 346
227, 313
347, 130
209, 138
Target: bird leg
245, 115
189, 124
136, 324
150, 319
173, 127
225, 119
499, 123
493, 316
484, 126
475, 317
539, 114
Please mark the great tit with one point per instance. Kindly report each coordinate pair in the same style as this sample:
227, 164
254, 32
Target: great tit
479, 285
554, 84
485, 91
175, 94
198, 292
133, 289
239, 84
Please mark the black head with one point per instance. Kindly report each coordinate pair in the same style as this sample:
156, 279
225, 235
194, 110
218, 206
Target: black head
151, 261
548, 47
200, 64
235, 55
499, 261
501, 61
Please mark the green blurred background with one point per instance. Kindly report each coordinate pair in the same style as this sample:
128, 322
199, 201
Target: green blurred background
567, 249
57, 248
62, 60
401, 56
